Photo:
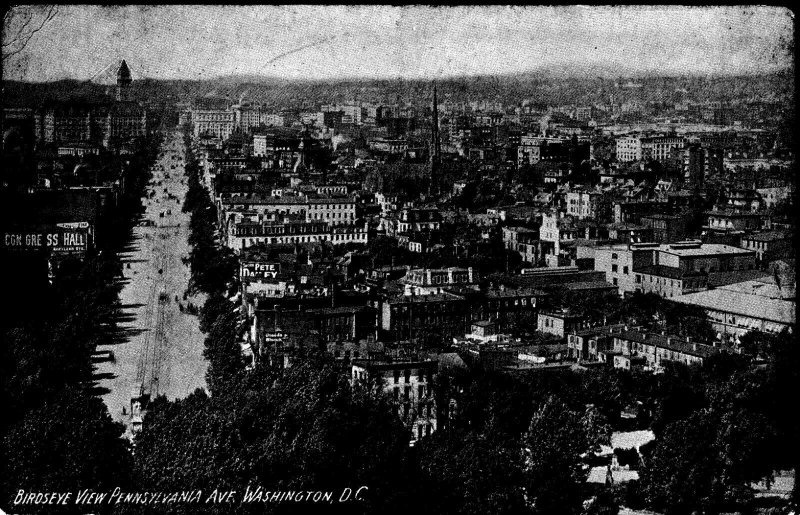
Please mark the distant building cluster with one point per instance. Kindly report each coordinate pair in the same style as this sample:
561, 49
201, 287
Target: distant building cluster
402, 236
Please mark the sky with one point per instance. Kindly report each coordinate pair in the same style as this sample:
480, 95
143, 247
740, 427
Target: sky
330, 42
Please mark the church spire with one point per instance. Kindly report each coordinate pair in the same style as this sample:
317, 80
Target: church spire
433, 187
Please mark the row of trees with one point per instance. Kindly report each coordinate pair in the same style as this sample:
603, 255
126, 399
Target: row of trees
55, 433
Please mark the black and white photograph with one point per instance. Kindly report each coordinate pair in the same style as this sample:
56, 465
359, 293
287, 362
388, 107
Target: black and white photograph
393, 259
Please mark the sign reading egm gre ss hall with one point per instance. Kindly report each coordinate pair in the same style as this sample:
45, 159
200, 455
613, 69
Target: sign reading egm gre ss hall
55, 239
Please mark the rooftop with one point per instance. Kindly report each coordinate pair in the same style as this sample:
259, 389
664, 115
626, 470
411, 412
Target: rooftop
672, 342
768, 236
739, 303
693, 249
668, 271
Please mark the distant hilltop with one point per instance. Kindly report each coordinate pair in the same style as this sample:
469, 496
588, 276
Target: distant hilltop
543, 88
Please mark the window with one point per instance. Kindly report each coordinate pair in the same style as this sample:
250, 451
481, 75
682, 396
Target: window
615, 281
420, 391
625, 270
396, 376
408, 375
613, 268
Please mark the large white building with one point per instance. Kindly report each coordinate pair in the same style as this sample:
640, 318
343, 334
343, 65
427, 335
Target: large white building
247, 234
330, 210
216, 122
637, 147
583, 204
628, 266
629, 148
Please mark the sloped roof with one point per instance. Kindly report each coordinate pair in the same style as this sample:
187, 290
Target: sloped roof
123, 72
756, 306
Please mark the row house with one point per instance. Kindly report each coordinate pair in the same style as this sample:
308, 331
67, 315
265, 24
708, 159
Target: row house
426, 281
247, 234
653, 350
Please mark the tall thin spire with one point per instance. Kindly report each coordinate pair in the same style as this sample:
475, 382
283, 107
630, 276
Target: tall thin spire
433, 187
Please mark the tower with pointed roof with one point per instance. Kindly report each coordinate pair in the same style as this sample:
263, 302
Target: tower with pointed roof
123, 82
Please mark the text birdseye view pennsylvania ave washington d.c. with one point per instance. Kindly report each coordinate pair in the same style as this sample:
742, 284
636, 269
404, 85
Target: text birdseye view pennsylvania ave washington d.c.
392, 259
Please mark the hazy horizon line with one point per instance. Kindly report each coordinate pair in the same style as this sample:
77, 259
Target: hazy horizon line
550, 72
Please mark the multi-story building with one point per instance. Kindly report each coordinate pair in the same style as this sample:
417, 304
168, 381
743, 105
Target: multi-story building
559, 323
661, 148
247, 234
583, 204
419, 219
555, 235
505, 306
669, 281
533, 149
656, 349
666, 228
769, 246
427, 281
108, 122
622, 263
410, 386
524, 241
586, 344
629, 148
219, 123
331, 210
727, 221
409, 317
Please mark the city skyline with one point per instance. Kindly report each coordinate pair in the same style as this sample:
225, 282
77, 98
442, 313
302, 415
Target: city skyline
382, 42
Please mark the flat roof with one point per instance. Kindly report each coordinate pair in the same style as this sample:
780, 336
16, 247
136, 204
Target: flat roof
704, 249
769, 236
668, 271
